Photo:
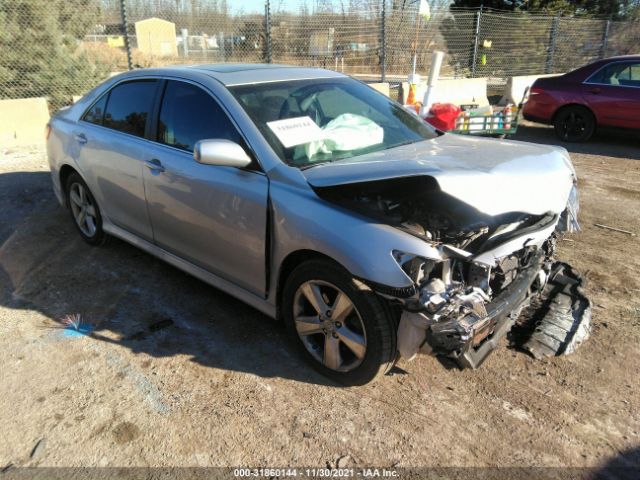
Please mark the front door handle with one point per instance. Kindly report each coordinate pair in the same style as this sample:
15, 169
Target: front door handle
80, 138
154, 165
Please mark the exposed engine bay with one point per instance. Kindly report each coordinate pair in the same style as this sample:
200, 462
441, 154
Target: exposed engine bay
417, 206
490, 268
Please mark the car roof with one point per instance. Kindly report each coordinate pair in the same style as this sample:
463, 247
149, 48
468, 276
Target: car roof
622, 57
617, 58
250, 73
587, 70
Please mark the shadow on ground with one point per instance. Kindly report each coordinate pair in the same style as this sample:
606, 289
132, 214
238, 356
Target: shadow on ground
624, 466
621, 144
126, 296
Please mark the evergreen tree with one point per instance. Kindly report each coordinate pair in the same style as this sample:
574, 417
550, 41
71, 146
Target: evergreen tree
610, 8
40, 52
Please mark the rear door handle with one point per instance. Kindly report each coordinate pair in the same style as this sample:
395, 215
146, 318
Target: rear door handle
80, 138
595, 90
154, 165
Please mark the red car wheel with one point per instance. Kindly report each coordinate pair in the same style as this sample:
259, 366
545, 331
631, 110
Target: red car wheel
574, 124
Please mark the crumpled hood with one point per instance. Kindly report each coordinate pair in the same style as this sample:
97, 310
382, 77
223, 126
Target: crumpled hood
493, 176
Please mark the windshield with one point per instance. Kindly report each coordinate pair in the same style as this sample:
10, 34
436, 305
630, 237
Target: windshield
308, 122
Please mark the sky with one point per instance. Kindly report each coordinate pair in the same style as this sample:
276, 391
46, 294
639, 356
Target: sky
257, 6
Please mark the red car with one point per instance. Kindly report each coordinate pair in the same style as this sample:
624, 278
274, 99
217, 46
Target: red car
605, 93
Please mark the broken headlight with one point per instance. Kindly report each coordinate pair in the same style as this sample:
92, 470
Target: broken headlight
569, 219
417, 268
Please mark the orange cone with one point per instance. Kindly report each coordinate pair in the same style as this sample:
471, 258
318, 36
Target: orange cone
411, 97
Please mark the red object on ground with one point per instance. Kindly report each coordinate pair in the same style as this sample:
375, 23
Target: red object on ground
443, 116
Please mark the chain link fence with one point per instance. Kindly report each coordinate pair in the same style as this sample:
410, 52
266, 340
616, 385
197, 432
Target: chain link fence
62, 48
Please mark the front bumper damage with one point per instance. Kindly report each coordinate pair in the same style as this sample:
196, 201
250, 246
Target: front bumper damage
559, 318
466, 321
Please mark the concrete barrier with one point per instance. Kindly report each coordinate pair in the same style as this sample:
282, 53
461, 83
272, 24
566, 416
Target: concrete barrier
22, 121
515, 87
459, 91
382, 87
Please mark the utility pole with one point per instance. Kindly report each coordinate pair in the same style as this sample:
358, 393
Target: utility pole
605, 39
125, 32
476, 39
267, 31
383, 43
552, 44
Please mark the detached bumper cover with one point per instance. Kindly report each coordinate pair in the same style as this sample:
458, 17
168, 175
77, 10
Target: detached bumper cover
562, 319
558, 317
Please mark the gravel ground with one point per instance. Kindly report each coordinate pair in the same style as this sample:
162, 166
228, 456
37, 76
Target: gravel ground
176, 373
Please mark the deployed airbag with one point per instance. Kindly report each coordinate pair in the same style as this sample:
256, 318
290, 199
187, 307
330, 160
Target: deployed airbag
344, 133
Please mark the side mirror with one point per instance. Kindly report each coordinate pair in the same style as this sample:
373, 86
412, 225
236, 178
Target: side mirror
223, 153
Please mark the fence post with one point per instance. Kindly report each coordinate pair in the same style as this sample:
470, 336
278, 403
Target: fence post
605, 39
125, 32
553, 38
476, 39
383, 43
223, 48
267, 31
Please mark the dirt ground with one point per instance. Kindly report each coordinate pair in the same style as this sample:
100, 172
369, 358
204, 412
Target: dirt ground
176, 373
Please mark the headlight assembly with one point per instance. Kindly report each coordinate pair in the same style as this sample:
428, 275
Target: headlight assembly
417, 268
569, 219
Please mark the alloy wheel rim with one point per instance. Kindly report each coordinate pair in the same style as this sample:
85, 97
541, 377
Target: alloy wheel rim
83, 209
574, 126
329, 325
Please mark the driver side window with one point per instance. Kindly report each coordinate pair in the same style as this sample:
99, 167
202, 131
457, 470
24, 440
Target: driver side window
189, 114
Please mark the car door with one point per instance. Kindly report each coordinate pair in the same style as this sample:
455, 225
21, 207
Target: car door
212, 216
613, 93
112, 150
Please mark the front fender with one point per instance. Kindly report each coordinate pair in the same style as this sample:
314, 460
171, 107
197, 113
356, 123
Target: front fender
303, 221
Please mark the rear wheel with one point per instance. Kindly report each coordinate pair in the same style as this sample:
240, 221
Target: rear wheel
84, 210
340, 326
575, 124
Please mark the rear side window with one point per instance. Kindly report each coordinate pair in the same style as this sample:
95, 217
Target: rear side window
129, 106
619, 73
189, 114
96, 112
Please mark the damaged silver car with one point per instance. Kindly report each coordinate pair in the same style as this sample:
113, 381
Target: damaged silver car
315, 199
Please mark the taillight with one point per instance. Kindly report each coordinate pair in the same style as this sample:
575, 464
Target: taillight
536, 91
47, 132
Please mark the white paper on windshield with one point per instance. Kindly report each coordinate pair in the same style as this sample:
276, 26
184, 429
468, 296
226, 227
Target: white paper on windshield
295, 131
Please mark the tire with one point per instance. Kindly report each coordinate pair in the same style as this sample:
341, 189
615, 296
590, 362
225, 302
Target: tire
574, 124
364, 336
80, 199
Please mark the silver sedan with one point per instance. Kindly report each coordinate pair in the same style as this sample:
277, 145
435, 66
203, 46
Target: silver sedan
315, 199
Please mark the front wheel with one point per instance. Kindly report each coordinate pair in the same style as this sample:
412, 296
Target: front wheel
574, 124
340, 326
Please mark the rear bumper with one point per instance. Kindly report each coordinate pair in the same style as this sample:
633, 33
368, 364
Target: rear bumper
533, 118
57, 188
539, 108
